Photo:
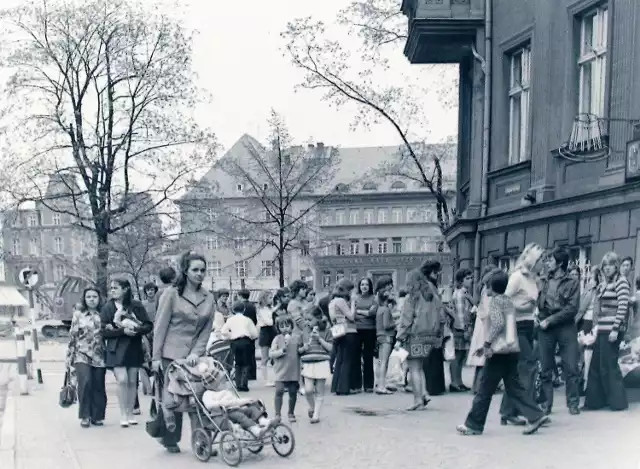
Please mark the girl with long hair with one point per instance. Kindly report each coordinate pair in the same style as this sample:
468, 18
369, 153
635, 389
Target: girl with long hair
86, 355
364, 308
523, 291
125, 322
605, 387
346, 342
267, 331
420, 327
183, 324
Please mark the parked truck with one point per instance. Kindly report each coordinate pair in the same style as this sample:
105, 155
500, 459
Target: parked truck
67, 295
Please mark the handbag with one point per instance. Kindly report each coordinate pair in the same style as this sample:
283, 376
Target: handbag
68, 393
155, 426
419, 347
338, 330
449, 349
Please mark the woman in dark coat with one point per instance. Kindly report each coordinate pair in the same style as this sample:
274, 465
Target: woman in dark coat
125, 322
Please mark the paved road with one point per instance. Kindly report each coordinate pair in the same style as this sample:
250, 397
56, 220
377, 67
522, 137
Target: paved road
363, 431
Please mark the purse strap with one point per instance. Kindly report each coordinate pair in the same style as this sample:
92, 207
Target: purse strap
67, 378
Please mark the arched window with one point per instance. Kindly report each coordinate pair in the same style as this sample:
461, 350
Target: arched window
369, 186
342, 187
398, 185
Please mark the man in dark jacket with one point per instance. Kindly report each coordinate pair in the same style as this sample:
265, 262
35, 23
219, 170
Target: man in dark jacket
558, 304
250, 312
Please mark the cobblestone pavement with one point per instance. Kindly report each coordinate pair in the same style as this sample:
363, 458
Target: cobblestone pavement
362, 431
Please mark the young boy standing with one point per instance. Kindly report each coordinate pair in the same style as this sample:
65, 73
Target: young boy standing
242, 333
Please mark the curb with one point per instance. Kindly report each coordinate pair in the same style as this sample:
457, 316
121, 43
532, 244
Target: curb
8, 432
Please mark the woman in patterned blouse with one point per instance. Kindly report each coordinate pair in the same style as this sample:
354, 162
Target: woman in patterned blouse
86, 355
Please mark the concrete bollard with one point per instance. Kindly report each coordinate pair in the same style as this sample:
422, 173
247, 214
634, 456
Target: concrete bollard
21, 355
29, 354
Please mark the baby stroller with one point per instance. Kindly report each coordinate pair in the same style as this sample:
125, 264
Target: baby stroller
215, 430
220, 350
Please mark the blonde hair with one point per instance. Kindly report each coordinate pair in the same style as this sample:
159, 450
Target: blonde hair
264, 298
531, 254
610, 258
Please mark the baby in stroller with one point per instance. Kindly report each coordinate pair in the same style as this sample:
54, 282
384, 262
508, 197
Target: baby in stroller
249, 414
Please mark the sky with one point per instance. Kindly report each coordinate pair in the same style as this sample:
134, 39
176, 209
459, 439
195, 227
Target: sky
240, 63
239, 60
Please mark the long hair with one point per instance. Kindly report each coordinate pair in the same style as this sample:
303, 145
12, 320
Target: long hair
369, 282
420, 285
610, 258
263, 300
125, 284
185, 262
83, 301
530, 256
485, 276
431, 267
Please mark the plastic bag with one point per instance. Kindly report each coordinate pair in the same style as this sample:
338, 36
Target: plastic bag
395, 369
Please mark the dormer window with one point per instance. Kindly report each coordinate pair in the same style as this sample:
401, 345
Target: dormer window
369, 186
398, 185
239, 188
342, 188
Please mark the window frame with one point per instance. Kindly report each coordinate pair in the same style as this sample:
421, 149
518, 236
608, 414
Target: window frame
212, 243
56, 249
369, 216
354, 217
217, 268
33, 247
17, 246
340, 217
397, 211
383, 246
354, 247
367, 247
32, 220
395, 242
597, 58
267, 268
242, 267
381, 216
519, 150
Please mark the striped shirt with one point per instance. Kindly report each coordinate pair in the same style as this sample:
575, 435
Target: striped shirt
613, 303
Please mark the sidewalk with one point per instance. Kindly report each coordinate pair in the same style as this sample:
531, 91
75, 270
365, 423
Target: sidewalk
361, 431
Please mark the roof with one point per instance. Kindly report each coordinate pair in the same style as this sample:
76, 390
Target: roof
362, 169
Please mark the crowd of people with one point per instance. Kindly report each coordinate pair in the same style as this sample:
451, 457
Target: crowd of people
511, 327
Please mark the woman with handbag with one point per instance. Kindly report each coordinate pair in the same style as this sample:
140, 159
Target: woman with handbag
182, 328
86, 355
125, 323
523, 291
345, 336
420, 327
501, 351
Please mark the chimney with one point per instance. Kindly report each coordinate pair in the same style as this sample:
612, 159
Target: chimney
310, 146
320, 146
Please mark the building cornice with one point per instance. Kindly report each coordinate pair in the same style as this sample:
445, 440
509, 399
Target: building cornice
379, 260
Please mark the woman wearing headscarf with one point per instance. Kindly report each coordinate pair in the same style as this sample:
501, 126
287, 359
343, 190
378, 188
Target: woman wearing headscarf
522, 289
420, 328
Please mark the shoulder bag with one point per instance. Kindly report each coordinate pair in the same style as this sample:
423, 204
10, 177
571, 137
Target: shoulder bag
508, 341
68, 394
155, 426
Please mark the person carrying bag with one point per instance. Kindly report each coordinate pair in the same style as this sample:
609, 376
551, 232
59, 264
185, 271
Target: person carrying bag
156, 426
68, 393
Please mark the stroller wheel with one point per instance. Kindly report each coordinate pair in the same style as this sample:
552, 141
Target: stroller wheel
283, 441
201, 444
230, 449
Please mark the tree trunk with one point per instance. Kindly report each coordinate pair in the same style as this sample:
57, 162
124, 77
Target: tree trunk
281, 252
102, 264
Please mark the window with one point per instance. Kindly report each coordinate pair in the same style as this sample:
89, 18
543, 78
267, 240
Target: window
17, 247
325, 219
326, 250
239, 188
592, 62
412, 215
32, 220
368, 247
428, 245
396, 213
265, 187
211, 215
382, 216
57, 245
428, 215
340, 217
354, 217
33, 246
519, 95
369, 186
507, 263
56, 219
397, 245
304, 248
340, 249
368, 216
354, 277
212, 243
239, 243
326, 279
339, 275
215, 269
59, 273
382, 246
581, 256
354, 247
241, 269
398, 185
411, 244
268, 269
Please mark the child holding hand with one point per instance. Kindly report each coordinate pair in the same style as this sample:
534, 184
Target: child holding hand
285, 352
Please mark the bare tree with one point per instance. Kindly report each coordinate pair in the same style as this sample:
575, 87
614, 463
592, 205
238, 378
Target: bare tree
344, 79
101, 99
283, 184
